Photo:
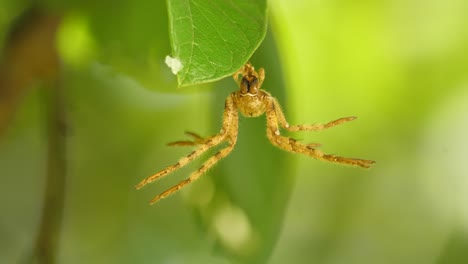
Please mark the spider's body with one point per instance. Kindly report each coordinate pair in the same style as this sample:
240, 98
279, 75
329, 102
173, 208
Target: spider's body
251, 101
250, 105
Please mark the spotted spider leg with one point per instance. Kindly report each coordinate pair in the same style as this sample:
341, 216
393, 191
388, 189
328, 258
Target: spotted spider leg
275, 116
228, 133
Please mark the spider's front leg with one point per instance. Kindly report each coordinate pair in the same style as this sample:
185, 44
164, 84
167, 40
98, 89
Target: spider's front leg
275, 116
248, 69
228, 132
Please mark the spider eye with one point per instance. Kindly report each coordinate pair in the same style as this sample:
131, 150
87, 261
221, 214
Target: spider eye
249, 84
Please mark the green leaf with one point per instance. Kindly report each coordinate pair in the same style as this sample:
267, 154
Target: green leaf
213, 39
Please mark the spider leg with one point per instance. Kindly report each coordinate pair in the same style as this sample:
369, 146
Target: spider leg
261, 77
320, 126
235, 76
198, 140
211, 142
229, 118
292, 145
306, 127
194, 135
204, 167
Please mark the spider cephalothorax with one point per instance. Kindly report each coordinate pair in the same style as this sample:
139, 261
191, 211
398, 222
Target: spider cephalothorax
251, 101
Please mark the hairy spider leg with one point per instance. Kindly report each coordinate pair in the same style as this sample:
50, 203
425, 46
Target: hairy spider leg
228, 132
235, 76
273, 114
261, 77
230, 113
231, 138
306, 127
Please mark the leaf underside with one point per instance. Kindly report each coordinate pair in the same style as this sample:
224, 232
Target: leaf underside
213, 39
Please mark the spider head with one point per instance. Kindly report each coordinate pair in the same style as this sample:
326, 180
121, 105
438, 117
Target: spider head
251, 80
249, 85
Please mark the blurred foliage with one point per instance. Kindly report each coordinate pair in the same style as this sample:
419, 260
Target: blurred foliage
400, 66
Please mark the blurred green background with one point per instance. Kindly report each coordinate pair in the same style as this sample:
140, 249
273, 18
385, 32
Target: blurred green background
400, 66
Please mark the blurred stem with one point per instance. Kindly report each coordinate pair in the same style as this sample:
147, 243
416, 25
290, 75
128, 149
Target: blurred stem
53, 204
30, 55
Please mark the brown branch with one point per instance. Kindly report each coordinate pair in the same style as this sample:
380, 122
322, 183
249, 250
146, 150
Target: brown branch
30, 54
47, 241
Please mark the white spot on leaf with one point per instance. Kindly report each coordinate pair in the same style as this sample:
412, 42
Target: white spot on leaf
174, 63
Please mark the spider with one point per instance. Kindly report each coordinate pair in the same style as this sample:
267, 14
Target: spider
251, 101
